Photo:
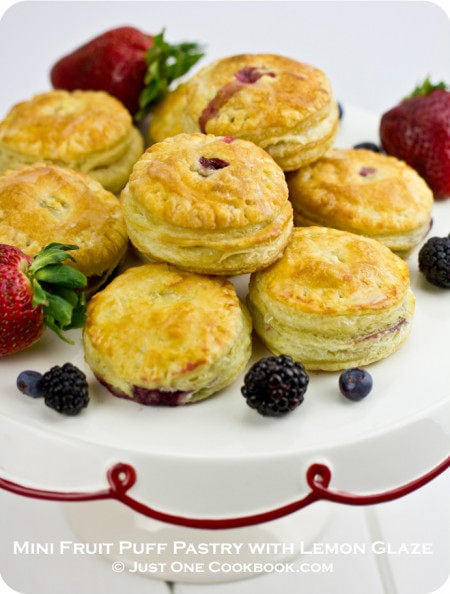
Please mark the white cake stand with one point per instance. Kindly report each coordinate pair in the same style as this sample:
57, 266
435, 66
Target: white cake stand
219, 460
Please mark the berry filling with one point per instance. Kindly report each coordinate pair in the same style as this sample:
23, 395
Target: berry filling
214, 163
365, 171
147, 396
246, 76
228, 139
389, 330
250, 74
209, 166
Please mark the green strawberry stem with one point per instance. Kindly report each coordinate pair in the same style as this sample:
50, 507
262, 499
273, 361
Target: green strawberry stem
57, 287
165, 63
426, 87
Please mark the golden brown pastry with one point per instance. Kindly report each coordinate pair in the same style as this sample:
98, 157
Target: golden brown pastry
86, 130
208, 204
44, 203
363, 192
334, 300
158, 335
282, 105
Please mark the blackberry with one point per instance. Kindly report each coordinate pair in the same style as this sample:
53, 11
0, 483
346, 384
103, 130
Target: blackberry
340, 110
65, 389
434, 261
355, 383
275, 385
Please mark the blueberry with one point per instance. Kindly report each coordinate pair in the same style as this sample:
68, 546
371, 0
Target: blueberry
355, 383
341, 110
370, 146
29, 383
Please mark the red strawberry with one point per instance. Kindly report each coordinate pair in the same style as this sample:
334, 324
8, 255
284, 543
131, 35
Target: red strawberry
134, 67
418, 131
26, 306
113, 62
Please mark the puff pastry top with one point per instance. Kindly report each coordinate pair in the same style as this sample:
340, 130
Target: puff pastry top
362, 191
173, 186
65, 126
326, 271
44, 203
251, 96
180, 320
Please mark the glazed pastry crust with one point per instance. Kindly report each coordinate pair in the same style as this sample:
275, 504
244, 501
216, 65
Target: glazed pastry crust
363, 192
334, 299
226, 221
157, 327
86, 130
289, 111
44, 203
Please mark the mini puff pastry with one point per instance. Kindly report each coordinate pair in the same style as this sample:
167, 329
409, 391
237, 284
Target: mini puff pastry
334, 300
208, 204
89, 131
158, 335
363, 192
282, 105
44, 203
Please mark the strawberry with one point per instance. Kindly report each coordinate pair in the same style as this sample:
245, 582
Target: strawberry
38, 292
134, 67
418, 131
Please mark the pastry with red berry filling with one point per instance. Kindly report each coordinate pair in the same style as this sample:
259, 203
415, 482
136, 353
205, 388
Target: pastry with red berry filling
363, 192
284, 106
334, 300
157, 335
213, 205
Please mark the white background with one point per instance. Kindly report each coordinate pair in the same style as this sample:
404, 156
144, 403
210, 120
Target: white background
374, 54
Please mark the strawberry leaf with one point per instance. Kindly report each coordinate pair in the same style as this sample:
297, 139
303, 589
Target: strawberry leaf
60, 294
79, 313
165, 63
50, 323
51, 254
39, 295
426, 87
71, 296
61, 274
59, 309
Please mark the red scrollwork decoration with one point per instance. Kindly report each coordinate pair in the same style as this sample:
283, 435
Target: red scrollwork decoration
121, 478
